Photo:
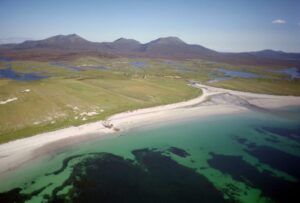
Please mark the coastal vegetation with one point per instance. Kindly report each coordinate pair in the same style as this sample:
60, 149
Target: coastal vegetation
85, 89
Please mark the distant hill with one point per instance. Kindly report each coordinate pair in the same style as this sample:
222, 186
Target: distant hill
126, 45
174, 47
65, 46
63, 42
276, 55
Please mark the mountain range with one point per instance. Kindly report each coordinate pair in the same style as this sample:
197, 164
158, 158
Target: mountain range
66, 46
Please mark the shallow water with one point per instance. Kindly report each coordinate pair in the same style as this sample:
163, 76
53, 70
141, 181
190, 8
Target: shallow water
292, 72
66, 66
230, 74
235, 73
178, 66
78, 68
138, 64
249, 157
219, 79
9, 73
5, 59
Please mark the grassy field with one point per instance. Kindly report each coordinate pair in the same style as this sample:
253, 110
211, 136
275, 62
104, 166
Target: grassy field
100, 87
275, 87
270, 81
59, 102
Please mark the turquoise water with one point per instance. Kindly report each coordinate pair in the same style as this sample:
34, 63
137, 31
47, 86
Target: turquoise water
249, 157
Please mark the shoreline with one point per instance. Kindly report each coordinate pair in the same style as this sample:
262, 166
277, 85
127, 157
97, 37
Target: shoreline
213, 101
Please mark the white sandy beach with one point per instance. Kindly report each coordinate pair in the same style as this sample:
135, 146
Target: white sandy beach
213, 101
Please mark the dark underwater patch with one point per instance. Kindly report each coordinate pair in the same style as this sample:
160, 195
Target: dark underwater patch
153, 178
13, 195
64, 165
245, 142
272, 140
293, 134
179, 152
273, 187
241, 140
277, 159
104, 177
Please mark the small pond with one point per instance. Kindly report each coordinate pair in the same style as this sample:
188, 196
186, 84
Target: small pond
218, 79
229, 74
178, 66
9, 73
138, 64
78, 68
292, 72
239, 74
5, 59
66, 66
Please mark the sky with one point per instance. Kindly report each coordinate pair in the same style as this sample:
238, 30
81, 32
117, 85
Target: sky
222, 25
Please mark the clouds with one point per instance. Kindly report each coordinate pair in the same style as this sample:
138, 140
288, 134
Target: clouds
279, 21
282, 22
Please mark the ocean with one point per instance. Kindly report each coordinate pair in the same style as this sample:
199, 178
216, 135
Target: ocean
247, 157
